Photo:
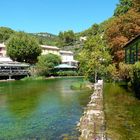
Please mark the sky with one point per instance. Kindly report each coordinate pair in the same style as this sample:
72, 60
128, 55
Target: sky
53, 16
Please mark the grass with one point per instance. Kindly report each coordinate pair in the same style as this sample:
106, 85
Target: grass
122, 112
33, 78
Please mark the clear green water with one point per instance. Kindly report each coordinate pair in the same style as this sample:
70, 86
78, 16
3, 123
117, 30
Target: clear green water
122, 112
40, 110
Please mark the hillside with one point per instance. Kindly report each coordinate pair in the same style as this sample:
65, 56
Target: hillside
45, 38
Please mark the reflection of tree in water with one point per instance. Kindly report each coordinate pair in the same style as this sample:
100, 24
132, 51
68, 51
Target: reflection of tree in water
22, 99
84, 97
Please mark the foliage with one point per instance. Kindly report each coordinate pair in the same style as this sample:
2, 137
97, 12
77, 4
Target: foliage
66, 38
94, 57
136, 5
46, 64
119, 31
67, 73
23, 48
46, 39
93, 30
123, 7
135, 80
125, 71
112, 73
5, 34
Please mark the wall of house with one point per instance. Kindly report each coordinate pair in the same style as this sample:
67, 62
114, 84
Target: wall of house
66, 57
46, 51
2, 50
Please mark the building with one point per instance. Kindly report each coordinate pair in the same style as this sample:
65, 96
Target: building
10, 69
83, 38
132, 50
45, 50
67, 58
50, 49
2, 50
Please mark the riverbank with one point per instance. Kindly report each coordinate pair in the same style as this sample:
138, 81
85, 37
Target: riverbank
7, 80
51, 77
40, 78
92, 123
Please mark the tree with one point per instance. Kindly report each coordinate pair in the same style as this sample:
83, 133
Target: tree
5, 34
120, 30
66, 38
46, 64
94, 58
136, 5
23, 48
93, 30
123, 7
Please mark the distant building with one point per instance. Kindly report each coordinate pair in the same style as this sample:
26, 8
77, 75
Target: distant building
132, 50
12, 70
67, 58
83, 38
50, 49
2, 50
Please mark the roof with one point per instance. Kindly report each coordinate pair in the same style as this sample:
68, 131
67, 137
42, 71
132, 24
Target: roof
5, 59
49, 47
132, 40
65, 52
14, 65
65, 66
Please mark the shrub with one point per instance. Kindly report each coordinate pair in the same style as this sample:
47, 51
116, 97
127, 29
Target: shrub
112, 73
33, 78
67, 73
125, 71
46, 64
135, 80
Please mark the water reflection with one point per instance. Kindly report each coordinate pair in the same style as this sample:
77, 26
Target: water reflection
40, 109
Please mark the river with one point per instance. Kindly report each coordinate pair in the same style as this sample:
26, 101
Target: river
41, 110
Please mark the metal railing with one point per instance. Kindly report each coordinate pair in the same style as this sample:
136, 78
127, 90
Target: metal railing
13, 72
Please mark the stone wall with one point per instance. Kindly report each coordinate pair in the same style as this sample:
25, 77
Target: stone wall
92, 123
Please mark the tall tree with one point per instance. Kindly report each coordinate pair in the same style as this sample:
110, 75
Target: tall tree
120, 30
46, 64
23, 48
94, 57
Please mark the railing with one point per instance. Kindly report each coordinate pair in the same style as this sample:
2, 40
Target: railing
13, 72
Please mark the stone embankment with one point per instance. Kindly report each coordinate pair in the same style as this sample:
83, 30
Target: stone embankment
92, 123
